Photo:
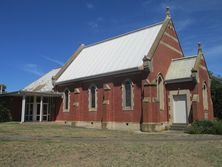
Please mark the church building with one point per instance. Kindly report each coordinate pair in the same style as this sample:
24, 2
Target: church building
140, 80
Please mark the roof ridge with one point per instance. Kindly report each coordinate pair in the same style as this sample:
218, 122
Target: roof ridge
124, 34
182, 58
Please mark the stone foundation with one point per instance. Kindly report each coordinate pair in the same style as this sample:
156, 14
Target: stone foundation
154, 127
126, 126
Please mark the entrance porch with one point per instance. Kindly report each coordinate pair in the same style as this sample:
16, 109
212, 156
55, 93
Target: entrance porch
38, 107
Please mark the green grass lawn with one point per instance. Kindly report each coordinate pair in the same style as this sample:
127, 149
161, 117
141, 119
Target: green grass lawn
33, 144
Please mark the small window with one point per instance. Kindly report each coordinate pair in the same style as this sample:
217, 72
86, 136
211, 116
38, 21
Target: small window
127, 95
205, 96
160, 91
66, 100
92, 98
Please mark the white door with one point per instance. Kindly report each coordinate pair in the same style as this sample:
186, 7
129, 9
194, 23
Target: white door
180, 109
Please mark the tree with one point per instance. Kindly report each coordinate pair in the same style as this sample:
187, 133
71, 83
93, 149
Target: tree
4, 111
216, 93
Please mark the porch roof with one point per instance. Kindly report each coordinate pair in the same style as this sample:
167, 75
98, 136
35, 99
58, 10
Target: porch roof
181, 69
31, 93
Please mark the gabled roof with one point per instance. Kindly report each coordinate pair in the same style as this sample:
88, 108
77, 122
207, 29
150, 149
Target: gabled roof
43, 84
181, 68
121, 53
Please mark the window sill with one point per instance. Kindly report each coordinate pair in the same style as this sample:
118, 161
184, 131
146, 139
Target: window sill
93, 109
66, 110
127, 109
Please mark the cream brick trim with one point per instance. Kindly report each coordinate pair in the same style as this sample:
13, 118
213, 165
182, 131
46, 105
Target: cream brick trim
124, 107
189, 103
64, 98
203, 68
170, 36
90, 96
195, 98
171, 47
158, 38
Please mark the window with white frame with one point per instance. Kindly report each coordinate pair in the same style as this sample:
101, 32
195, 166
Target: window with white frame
127, 95
92, 98
205, 96
160, 91
66, 100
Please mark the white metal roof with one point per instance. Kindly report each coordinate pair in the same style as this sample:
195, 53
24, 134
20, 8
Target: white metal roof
181, 68
116, 54
44, 83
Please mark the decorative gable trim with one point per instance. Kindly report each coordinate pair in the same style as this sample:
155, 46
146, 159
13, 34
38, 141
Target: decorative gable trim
73, 57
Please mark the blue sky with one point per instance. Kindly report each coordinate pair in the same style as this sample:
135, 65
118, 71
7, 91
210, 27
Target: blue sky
38, 35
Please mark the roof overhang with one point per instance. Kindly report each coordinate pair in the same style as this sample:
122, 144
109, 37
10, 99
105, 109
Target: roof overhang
179, 80
30, 93
131, 70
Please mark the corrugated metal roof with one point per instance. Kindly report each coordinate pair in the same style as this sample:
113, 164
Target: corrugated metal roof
44, 83
181, 68
116, 54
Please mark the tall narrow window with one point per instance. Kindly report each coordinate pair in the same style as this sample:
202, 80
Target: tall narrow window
205, 97
66, 100
92, 98
127, 95
160, 92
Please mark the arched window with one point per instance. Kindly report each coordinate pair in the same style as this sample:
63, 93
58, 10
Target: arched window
127, 95
160, 91
205, 96
66, 100
92, 98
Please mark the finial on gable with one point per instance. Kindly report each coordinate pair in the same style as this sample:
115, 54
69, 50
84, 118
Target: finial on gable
168, 12
199, 46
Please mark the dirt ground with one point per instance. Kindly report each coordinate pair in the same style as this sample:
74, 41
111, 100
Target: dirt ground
48, 144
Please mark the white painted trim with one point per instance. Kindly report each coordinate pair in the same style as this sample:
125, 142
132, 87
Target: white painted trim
34, 109
23, 109
41, 109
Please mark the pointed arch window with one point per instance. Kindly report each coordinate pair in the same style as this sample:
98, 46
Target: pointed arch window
127, 95
205, 96
92, 98
66, 100
160, 91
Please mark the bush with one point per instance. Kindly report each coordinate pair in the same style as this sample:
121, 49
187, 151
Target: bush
205, 127
4, 112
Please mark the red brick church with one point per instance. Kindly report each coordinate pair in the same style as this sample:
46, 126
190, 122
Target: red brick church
139, 80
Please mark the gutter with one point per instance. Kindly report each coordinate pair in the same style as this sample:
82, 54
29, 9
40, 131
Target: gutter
135, 69
171, 81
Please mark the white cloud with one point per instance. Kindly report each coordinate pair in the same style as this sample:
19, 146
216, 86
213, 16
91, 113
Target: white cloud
95, 23
214, 51
33, 69
90, 5
183, 24
53, 60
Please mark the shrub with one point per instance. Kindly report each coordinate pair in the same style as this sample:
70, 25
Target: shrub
205, 127
4, 112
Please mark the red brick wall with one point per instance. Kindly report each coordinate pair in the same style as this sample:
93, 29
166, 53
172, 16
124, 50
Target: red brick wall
203, 77
160, 63
110, 112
